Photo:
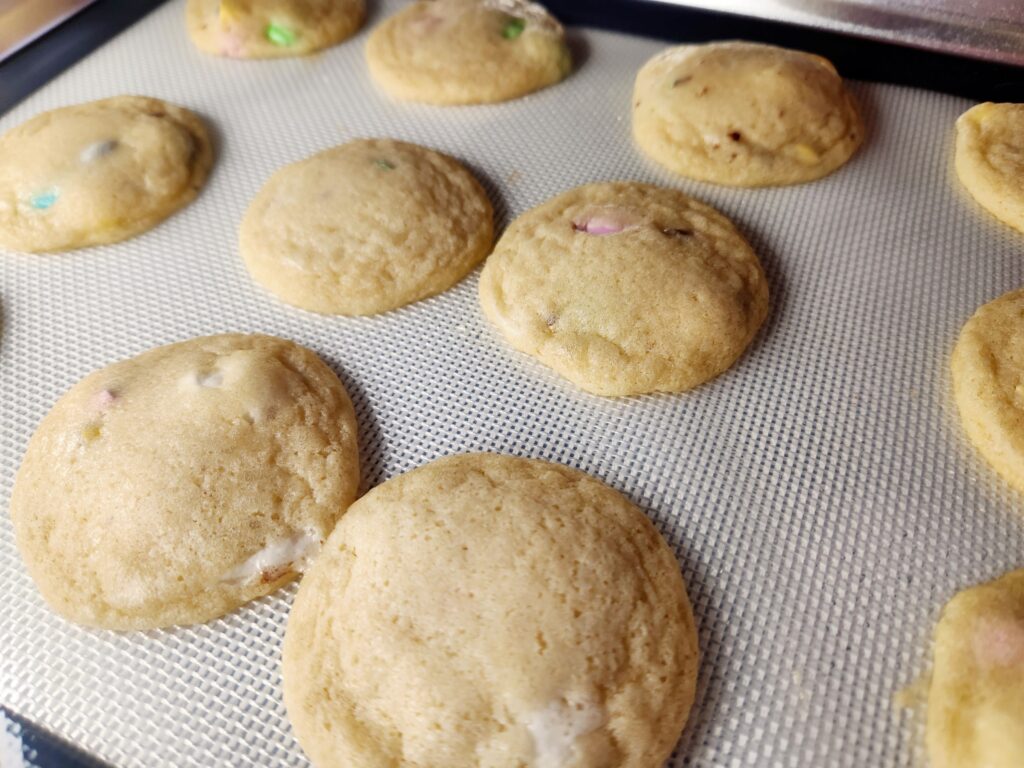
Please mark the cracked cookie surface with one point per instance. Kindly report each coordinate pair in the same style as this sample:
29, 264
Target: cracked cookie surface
990, 159
174, 486
744, 114
98, 172
366, 227
626, 288
491, 611
988, 384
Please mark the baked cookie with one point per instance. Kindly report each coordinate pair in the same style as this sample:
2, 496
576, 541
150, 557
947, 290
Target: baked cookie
744, 114
174, 486
98, 172
487, 610
261, 29
976, 698
366, 227
467, 51
990, 159
988, 371
626, 288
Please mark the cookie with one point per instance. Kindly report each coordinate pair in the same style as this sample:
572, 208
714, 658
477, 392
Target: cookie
626, 288
487, 610
467, 51
976, 697
744, 114
988, 368
174, 486
98, 172
990, 159
261, 29
366, 227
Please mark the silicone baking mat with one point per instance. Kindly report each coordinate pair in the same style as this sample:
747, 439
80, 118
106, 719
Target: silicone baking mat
820, 495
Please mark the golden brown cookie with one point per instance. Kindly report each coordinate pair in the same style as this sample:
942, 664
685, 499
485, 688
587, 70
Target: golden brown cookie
98, 172
744, 114
174, 486
487, 610
626, 288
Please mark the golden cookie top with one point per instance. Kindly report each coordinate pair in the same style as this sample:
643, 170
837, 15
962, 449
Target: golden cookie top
744, 114
98, 172
467, 51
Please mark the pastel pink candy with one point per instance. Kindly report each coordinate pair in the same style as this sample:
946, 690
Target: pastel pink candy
232, 45
599, 225
999, 642
105, 397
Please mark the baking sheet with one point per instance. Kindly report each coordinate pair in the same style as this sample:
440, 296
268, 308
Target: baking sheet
820, 495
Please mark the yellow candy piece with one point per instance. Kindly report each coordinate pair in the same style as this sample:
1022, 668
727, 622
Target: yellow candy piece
806, 154
229, 12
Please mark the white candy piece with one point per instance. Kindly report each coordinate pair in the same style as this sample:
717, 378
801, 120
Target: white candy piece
292, 554
201, 379
556, 727
210, 380
97, 150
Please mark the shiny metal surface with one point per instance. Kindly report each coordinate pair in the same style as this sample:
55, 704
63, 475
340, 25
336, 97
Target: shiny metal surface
982, 29
22, 21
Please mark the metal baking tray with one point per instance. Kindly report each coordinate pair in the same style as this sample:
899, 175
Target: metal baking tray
819, 495
985, 29
23, 21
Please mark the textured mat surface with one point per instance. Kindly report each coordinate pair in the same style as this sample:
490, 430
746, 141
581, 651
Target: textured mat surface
820, 495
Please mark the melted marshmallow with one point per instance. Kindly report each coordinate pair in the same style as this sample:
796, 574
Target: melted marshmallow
275, 559
556, 727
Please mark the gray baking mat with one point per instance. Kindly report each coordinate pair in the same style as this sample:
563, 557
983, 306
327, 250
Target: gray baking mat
820, 495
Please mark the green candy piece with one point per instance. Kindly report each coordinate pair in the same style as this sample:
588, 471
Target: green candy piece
513, 29
384, 164
279, 35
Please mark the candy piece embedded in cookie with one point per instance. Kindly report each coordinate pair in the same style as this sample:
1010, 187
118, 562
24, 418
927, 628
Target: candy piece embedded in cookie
98, 172
976, 698
260, 29
467, 51
491, 610
626, 288
174, 486
744, 114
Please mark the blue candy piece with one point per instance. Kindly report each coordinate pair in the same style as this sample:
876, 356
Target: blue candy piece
43, 200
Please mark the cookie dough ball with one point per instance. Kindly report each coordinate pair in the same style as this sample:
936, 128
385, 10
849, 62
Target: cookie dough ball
744, 114
261, 29
990, 159
98, 172
174, 486
976, 699
366, 227
626, 288
468, 51
486, 610
988, 371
